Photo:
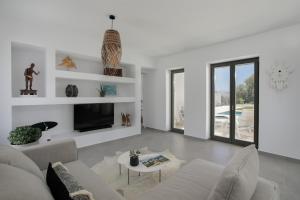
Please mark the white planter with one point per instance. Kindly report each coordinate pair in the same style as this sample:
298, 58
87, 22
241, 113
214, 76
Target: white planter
25, 145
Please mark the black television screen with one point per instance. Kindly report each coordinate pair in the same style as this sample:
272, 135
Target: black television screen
93, 116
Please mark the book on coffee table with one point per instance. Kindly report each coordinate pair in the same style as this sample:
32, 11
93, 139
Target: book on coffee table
157, 160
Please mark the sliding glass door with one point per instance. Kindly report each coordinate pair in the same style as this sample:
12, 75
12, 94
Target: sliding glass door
234, 101
177, 100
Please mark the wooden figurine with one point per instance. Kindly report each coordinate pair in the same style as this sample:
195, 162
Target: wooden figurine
28, 73
128, 120
123, 119
29, 76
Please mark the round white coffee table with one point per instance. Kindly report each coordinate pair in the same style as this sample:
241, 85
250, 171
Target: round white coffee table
124, 160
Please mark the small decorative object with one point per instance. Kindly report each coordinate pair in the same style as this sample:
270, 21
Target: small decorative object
68, 63
71, 91
110, 90
125, 119
134, 158
279, 75
44, 126
28, 73
24, 135
101, 91
128, 120
111, 51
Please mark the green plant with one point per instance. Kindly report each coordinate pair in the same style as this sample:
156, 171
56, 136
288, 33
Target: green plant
101, 91
24, 135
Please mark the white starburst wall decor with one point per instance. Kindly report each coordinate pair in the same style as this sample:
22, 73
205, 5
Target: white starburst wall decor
279, 75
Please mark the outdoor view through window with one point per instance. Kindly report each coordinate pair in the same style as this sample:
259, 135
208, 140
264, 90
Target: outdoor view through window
244, 101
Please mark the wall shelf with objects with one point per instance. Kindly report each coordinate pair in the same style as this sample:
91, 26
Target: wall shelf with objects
22, 56
92, 77
73, 62
58, 69
69, 100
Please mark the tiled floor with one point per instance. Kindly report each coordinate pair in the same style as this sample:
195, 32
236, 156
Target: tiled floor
285, 172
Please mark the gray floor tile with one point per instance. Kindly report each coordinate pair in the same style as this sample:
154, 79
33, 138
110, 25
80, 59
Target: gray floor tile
285, 172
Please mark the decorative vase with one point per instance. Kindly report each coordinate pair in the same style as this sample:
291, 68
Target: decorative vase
71, 91
134, 160
75, 91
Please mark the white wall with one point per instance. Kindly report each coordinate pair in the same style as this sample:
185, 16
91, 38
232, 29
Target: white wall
54, 38
279, 117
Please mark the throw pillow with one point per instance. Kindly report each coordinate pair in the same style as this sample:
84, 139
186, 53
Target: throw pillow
56, 186
239, 178
63, 185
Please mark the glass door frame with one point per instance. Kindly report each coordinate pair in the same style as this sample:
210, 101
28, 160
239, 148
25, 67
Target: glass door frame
232, 65
173, 72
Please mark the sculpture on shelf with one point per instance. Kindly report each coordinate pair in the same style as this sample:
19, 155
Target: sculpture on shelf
111, 51
125, 119
128, 120
68, 63
71, 91
28, 73
44, 127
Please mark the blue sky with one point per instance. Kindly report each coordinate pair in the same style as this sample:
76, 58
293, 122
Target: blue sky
222, 76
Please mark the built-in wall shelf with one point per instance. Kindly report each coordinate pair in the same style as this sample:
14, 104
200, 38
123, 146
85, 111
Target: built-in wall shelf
51, 102
69, 100
92, 77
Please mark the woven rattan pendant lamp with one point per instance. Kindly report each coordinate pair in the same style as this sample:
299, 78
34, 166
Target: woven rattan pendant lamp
112, 51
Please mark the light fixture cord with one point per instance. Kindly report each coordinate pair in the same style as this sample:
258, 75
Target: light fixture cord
112, 24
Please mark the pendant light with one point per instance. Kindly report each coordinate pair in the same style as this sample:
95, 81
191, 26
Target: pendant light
111, 50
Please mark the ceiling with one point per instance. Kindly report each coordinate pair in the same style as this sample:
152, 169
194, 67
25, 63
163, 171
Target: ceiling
161, 27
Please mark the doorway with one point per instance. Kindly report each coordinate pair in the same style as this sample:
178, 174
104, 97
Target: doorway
177, 100
234, 101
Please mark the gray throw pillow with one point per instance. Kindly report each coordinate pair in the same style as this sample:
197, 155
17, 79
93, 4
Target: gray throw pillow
18, 184
13, 157
239, 178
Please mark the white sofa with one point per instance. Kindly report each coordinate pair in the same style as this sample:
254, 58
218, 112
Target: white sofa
22, 178
196, 180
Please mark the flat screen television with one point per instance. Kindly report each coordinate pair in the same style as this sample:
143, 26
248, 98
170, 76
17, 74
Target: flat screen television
89, 117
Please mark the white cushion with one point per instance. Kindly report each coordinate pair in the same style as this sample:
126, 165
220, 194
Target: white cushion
16, 158
239, 178
19, 184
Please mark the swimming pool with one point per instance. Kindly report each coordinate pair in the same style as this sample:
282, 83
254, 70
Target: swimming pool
237, 113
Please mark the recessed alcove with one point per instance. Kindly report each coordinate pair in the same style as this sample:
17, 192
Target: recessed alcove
22, 55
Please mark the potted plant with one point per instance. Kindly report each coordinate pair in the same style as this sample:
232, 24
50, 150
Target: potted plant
24, 135
101, 91
134, 157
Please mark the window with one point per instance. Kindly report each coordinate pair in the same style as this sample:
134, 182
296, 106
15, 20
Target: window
234, 101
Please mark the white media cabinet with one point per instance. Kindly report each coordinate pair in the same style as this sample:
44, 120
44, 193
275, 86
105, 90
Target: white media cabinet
51, 104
